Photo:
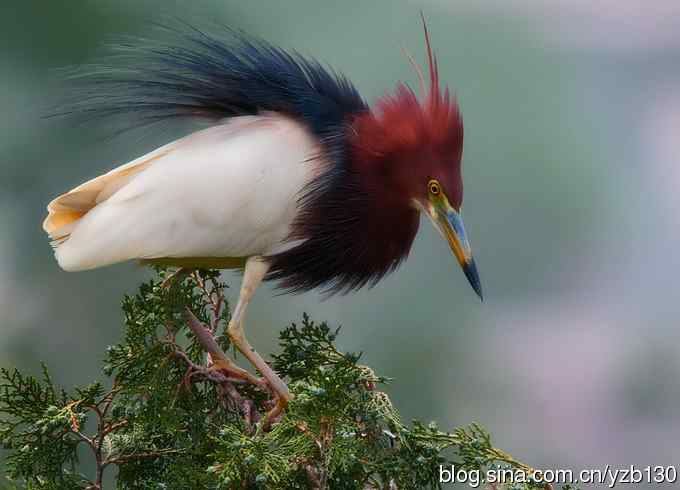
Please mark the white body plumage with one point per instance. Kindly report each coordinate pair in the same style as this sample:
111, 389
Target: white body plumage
229, 191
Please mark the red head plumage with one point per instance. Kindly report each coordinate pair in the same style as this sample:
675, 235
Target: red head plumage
411, 141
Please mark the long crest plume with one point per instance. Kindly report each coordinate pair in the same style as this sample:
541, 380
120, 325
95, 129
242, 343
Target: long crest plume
434, 95
426, 92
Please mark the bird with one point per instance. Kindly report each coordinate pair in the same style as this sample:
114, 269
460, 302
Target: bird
295, 179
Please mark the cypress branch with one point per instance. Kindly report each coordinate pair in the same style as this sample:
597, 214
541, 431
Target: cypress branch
170, 419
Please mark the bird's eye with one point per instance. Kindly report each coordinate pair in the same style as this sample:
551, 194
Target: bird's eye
434, 187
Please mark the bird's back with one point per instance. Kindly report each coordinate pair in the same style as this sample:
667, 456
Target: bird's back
229, 191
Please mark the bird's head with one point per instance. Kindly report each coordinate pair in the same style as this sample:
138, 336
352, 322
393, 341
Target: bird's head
410, 151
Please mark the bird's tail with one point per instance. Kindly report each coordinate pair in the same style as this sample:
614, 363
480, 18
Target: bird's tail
64, 212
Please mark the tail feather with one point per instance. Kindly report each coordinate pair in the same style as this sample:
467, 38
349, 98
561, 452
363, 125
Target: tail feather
65, 211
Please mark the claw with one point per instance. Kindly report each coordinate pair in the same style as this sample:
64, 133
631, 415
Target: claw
231, 369
274, 415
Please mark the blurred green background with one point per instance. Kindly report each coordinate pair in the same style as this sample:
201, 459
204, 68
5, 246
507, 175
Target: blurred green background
572, 171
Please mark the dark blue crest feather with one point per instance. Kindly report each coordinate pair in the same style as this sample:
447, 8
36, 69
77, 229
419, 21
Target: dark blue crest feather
202, 76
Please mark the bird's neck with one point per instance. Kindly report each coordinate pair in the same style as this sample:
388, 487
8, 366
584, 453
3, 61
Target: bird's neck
386, 222
349, 236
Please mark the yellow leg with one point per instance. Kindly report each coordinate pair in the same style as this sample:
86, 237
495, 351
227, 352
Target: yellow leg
218, 360
255, 270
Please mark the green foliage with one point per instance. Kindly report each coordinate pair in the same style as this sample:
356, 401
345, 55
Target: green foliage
170, 421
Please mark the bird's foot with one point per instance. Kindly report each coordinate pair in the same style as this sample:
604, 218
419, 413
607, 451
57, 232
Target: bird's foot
228, 368
274, 415
282, 395
274, 381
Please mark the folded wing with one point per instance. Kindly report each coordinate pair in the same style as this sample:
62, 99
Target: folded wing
229, 191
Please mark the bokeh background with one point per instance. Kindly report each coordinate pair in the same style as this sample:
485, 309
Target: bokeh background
572, 173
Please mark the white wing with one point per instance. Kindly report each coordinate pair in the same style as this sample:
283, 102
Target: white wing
227, 191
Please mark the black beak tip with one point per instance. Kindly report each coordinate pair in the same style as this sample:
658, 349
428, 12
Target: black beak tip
470, 270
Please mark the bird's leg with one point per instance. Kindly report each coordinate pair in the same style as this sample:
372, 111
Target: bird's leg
218, 359
255, 270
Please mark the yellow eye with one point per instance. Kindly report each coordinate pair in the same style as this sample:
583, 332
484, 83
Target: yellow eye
434, 187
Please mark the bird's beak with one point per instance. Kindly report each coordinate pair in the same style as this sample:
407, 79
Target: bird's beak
450, 224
